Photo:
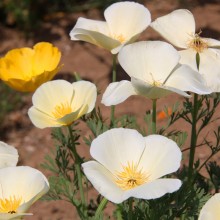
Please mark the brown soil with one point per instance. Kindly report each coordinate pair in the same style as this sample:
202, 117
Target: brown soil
93, 64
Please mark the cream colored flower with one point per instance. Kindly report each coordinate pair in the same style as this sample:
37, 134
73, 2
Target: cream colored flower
8, 155
155, 72
178, 28
211, 210
124, 22
20, 187
25, 69
130, 165
59, 103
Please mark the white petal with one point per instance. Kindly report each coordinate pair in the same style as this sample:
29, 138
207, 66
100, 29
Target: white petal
161, 156
51, 93
149, 61
212, 42
90, 25
211, 211
154, 189
103, 181
149, 91
40, 119
127, 19
186, 79
25, 182
177, 27
95, 32
209, 66
85, 94
117, 147
117, 92
15, 216
8, 155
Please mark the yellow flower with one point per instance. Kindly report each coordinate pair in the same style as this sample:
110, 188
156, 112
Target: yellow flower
25, 69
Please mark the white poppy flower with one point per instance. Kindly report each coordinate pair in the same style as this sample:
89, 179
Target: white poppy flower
59, 103
20, 187
155, 72
178, 28
211, 210
130, 165
124, 22
8, 155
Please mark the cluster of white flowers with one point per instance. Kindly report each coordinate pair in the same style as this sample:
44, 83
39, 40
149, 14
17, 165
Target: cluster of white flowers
127, 164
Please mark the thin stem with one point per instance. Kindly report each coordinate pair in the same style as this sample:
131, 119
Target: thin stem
154, 116
78, 169
204, 163
100, 208
193, 137
130, 215
114, 57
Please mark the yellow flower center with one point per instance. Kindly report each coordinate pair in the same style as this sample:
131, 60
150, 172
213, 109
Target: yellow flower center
10, 205
120, 38
130, 177
197, 43
61, 110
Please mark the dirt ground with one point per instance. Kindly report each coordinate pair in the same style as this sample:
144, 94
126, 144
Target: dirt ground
93, 64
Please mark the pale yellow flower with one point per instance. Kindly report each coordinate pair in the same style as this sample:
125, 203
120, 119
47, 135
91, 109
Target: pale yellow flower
59, 103
20, 187
25, 69
124, 23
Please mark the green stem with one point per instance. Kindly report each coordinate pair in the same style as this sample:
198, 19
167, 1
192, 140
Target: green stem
114, 58
78, 170
100, 208
154, 116
193, 137
130, 215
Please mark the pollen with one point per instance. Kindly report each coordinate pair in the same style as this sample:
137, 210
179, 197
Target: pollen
197, 43
10, 205
130, 177
120, 38
61, 110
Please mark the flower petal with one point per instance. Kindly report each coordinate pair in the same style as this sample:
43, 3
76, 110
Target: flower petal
212, 42
103, 181
41, 119
8, 155
150, 61
177, 27
46, 57
186, 79
117, 93
85, 94
161, 156
14, 216
209, 66
127, 19
95, 32
117, 147
51, 93
148, 90
154, 189
211, 211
